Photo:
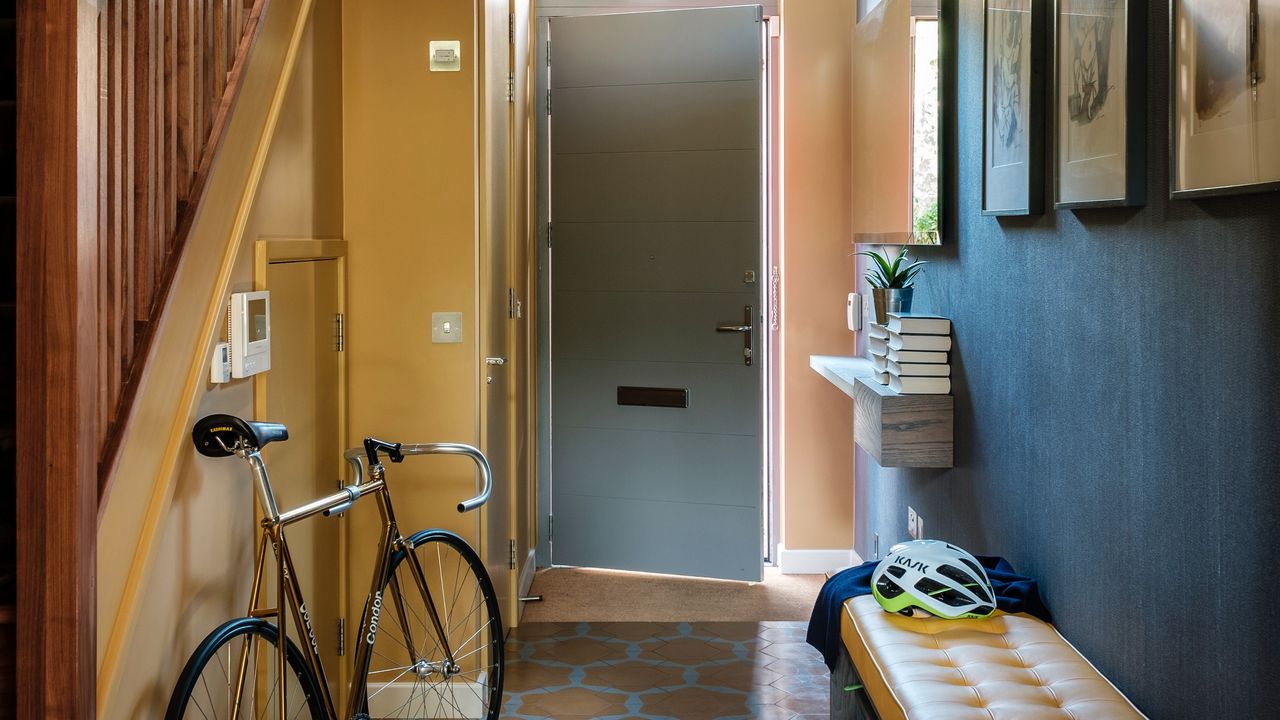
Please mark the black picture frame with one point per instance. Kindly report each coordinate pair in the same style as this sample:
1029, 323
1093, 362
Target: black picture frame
1131, 190
1029, 181
1177, 191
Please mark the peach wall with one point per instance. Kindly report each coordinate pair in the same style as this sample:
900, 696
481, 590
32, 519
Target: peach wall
817, 273
880, 116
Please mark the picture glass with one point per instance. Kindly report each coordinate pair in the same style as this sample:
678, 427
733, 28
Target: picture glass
1227, 93
1091, 103
1007, 114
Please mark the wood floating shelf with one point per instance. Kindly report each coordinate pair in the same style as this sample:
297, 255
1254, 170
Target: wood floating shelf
914, 431
910, 431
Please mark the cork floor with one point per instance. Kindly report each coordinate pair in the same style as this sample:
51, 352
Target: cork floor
651, 670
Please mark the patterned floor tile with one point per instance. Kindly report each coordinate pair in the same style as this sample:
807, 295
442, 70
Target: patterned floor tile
661, 671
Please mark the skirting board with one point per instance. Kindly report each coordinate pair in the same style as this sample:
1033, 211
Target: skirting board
815, 562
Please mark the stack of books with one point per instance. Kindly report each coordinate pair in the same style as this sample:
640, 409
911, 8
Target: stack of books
910, 353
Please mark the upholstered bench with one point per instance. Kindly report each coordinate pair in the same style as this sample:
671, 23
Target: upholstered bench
1005, 667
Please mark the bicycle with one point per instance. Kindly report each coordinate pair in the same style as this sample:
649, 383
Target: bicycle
418, 655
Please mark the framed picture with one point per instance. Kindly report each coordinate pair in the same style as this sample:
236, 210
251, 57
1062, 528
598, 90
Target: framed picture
1224, 127
1013, 107
1099, 104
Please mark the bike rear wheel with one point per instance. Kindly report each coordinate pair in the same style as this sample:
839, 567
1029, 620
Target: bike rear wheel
209, 687
409, 676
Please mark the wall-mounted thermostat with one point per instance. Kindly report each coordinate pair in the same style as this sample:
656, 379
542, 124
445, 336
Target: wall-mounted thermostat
446, 55
249, 321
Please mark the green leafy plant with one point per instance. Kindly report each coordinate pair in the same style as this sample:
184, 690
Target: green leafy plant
886, 274
926, 224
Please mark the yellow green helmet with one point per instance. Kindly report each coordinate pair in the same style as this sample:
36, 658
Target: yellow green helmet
935, 577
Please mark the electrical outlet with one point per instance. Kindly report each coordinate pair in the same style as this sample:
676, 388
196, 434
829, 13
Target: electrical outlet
912, 523
919, 527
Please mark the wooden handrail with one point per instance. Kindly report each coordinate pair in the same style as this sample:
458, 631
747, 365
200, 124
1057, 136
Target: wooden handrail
170, 73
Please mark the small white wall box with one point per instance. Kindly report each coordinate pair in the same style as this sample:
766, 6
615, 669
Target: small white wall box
249, 320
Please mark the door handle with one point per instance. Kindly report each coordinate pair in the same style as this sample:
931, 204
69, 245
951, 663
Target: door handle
745, 328
491, 362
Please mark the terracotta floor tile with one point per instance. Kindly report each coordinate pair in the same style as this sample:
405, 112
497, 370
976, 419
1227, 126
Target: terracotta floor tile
636, 630
792, 651
634, 676
739, 631
691, 651
575, 701
803, 684
778, 635
580, 651
795, 667
807, 705
742, 675
523, 677
614, 669
697, 704
771, 712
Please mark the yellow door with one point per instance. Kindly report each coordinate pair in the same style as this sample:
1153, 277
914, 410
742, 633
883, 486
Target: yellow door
303, 391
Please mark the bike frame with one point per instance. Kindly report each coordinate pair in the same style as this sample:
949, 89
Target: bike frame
289, 592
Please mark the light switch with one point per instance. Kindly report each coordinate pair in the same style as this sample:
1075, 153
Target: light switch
445, 55
446, 327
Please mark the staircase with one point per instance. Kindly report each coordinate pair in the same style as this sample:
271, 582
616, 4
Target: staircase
172, 72
8, 267
100, 244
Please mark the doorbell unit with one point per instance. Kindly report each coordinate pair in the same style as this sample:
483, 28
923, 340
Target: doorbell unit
220, 367
249, 328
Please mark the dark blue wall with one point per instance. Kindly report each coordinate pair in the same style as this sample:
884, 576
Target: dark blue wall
1117, 383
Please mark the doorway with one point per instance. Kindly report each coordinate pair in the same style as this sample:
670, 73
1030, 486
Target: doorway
653, 271
305, 390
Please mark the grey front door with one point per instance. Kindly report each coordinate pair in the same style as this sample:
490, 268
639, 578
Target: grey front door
656, 211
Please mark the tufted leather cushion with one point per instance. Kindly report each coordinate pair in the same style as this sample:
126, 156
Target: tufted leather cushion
1005, 667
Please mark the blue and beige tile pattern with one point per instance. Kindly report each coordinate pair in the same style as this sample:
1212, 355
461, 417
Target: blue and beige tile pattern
653, 671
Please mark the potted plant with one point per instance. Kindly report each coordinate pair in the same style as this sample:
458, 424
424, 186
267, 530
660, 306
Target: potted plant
890, 281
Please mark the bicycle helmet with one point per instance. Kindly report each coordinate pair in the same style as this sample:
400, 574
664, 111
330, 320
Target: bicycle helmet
934, 576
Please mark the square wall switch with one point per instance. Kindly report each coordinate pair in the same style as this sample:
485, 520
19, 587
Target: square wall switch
446, 327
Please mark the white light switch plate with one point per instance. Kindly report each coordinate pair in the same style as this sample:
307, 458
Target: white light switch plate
853, 312
445, 55
446, 327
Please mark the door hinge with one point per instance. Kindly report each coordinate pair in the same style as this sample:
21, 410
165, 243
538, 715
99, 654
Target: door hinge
511, 87
511, 27
551, 527
513, 554
511, 303
548, 53
548, 102
342, 637
548, 234
339, 332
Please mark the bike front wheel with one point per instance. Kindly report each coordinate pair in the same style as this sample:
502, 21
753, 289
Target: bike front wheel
234, 674
409, 674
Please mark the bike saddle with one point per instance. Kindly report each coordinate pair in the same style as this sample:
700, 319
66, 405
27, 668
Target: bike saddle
218, 435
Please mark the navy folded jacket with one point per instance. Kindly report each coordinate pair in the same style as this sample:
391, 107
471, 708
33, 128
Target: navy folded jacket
1014, 593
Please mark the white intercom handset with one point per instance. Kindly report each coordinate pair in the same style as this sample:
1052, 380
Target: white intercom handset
249, 329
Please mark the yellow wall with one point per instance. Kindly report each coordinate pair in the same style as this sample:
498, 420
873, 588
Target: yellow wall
817, 272
199, 573
411, 221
